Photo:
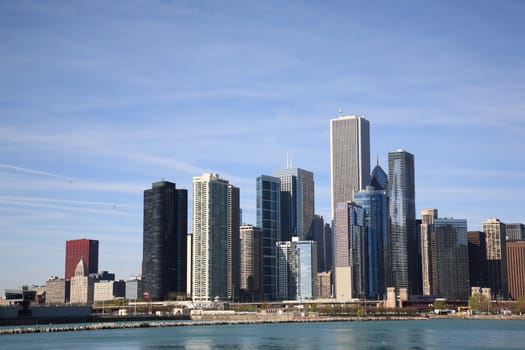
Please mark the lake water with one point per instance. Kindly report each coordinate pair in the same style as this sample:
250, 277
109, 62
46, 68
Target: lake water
385, 335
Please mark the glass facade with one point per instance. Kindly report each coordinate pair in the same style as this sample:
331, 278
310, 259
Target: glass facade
375, 208
379, 179
297, 269
450, 272
405, 263
268, 220
164, 255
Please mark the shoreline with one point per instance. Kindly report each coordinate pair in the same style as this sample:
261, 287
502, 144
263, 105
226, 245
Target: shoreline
193, 323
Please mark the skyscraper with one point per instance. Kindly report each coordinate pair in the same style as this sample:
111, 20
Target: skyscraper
297, 266
496, 257
216, 263
268, 220
515, 231
82, 285
450, 271
164, 249
349, 157
405, 265
297, 203
477, 256
81, 248
349, 246
428, 216
250, 285
374, 203
516, 268
379, 179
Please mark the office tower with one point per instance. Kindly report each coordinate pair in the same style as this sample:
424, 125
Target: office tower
516, 268
268, 220
81, 248
216, 270
251, 249
477, 257
450, 271
515, 231
374, 204
405, 267
297, 203
297, 269
348, 250
55, 291
164, 248
428, 216
496, 257
379, 179
329, 247
189, 262
349, 157
82, 285
324, 285
323, 239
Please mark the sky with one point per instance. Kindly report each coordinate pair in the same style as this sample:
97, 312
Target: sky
99, 99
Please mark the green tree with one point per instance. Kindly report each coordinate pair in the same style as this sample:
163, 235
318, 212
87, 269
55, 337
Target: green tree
519, 308
440, 305
478, 302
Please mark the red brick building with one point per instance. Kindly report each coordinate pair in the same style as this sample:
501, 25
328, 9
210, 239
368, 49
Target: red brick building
516, 268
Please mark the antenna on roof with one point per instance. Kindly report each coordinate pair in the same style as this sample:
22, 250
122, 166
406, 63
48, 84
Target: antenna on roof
340, 111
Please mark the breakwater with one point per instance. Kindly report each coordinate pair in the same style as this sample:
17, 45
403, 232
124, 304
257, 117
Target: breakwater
153, 324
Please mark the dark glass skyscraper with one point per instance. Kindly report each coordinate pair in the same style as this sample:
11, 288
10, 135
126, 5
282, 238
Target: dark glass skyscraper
375, 208
405, 264
379, 179
450, 271
268, 220
164, 241
297, 203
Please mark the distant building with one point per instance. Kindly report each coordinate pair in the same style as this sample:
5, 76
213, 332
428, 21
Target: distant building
251, 249
349, 240
515, 231
477, 255
323, 239
428, 216
164, 247
132, 289
82, 286
516, 268
297, 268
268, 189
495, 237
81, 248
297, 203
450, 271
109, 290
216, 263
324, 285
56, 291
349, 157
375, 245
379, 179
404, 244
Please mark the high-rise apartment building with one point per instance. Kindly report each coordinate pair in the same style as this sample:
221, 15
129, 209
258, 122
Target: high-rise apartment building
297, 203
496, 257
428, 216
269, 221
405, 264
251, 269
516, 268
216, 263
349, 248
450, 270
349, 157
477, 257
297, 266
164, 249
81, 248
375, 248
515, 231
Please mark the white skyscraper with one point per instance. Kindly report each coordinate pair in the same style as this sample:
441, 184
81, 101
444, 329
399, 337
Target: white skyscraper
349, 157
215, 238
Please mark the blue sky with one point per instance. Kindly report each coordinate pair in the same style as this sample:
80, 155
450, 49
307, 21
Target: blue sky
98, 99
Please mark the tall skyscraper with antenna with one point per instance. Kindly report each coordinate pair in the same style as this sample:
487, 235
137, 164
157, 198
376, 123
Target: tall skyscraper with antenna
349, 157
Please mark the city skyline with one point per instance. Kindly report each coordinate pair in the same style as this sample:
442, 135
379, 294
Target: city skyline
99, 100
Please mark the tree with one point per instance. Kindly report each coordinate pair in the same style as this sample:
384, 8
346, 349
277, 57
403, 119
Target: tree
440, 305
519, 308
478, 302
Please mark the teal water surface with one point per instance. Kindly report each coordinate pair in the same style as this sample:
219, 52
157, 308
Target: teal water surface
385, 335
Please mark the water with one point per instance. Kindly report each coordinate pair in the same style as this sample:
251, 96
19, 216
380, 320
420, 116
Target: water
384, 335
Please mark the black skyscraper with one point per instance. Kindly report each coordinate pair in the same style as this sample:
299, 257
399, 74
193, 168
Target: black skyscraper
164, 242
